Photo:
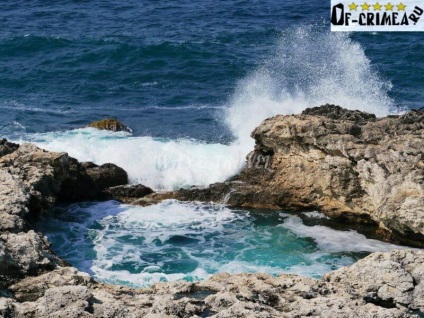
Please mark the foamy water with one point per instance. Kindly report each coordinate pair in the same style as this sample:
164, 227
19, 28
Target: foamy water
139, 246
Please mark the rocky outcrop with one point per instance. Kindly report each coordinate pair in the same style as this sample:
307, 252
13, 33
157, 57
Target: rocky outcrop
31, 182
381, 285
111, 124
347, 164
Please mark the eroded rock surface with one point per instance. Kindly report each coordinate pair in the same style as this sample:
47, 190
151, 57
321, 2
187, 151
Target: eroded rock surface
381, 285
31, 182
106, 175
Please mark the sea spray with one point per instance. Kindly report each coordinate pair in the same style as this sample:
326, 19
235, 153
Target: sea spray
309, 67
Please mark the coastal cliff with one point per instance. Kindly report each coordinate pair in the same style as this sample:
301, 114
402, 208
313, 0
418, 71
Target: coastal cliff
342, 162
347, 164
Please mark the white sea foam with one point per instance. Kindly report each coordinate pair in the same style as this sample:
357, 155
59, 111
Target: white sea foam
315, 215
330, 240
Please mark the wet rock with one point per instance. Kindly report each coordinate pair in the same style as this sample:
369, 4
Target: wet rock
106, 175
129, 193
110, 124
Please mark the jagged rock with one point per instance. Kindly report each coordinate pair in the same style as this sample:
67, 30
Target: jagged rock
128, 193
347, 292
347, 164
111, 124
106, 175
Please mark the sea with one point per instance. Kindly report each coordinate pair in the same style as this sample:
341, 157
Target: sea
192, 79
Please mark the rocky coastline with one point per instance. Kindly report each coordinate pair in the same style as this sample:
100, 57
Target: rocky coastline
347, 164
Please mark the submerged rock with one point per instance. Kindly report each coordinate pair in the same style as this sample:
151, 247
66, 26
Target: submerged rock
111, 124
347, 164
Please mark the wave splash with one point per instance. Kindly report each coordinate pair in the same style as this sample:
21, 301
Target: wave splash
159, 163
309, 68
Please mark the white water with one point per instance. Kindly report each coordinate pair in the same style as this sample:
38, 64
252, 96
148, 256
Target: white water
158, 163
309, 68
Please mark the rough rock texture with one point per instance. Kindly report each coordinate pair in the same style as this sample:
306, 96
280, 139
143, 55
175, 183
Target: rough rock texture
347, 164
106, 175
111, 124
381, 285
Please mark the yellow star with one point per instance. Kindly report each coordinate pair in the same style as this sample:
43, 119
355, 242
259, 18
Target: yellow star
389, 7
365, 7
377, 7
401, 7
353, 6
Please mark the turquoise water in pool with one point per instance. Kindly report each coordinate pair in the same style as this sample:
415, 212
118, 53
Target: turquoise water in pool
138, 246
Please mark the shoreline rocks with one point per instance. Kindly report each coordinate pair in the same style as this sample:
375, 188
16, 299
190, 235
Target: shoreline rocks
380, 285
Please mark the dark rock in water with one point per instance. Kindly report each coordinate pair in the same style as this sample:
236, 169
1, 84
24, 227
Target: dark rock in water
129, 193
111, 124
7, 147
106, 175
78, 185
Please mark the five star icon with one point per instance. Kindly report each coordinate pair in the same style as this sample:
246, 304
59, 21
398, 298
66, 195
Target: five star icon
377, 7
365, 7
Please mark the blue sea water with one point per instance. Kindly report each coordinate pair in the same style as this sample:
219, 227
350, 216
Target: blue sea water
192, 79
